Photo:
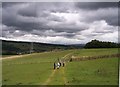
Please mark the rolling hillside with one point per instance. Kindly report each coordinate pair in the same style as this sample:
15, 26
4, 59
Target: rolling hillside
17, 47
29, 70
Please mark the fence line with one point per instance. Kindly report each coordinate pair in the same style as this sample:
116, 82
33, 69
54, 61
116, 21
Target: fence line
83, 58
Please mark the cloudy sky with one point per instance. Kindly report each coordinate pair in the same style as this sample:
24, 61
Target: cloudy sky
60, 22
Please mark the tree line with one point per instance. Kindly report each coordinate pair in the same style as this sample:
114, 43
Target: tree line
101, 44
14, 47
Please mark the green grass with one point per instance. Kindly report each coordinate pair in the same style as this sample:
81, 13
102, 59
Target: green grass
93, 72
57, 79
95, 52
26, 73
36, 68
33, 69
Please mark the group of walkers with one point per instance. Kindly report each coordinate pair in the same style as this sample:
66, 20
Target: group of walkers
58, 64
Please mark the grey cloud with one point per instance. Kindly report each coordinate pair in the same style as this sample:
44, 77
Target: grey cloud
11, 18
103, 31
110, 15
52, 33
29, 11
9, 4
11, 31
55, 18
96, 5
37, 18
111, 20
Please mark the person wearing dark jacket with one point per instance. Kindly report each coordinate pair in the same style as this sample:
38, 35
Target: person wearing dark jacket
63, 64
54, 65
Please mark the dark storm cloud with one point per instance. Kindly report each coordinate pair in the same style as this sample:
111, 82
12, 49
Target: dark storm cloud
96, 5
11, 17
100, 11
29, 11
9, 4
111, 16
58, 20
20, 24
53, 33
68, 28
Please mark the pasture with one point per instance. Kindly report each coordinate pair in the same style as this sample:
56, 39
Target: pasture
37, 69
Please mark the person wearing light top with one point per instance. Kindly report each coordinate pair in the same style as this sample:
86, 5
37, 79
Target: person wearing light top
58, 65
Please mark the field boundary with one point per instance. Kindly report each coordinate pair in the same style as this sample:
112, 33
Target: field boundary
73, 58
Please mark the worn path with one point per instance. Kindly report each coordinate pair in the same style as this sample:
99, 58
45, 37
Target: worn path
52, 75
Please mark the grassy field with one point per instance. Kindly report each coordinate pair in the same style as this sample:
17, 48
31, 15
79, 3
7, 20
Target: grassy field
95, 72
37, 69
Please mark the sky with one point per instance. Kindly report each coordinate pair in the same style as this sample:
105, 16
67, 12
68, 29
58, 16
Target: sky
60, 22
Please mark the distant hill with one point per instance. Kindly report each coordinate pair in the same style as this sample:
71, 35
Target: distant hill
19, 47
101, 44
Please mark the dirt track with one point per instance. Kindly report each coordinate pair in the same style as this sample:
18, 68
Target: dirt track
53, 73
50, 77
13, 57
17, 56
